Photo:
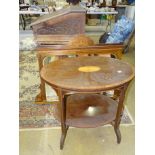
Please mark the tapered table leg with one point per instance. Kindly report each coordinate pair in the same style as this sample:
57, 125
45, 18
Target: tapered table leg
64, 127
41, 97
118, 134
119, 112
63, 137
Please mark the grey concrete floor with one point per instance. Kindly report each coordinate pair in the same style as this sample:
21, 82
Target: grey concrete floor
95, 141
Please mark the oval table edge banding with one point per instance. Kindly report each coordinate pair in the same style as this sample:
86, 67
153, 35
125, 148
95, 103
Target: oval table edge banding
61, 83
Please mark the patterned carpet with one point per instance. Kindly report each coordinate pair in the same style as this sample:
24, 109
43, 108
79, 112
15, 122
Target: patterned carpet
32, 115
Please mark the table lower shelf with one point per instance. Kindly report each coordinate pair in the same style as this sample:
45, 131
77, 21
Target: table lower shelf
88, 110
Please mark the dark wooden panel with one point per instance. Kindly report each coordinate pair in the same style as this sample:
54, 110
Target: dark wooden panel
68, 21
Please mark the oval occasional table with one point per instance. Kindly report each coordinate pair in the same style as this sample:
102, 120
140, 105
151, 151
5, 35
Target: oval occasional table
80, 83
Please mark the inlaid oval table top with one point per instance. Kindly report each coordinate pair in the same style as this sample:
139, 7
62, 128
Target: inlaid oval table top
90, 73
